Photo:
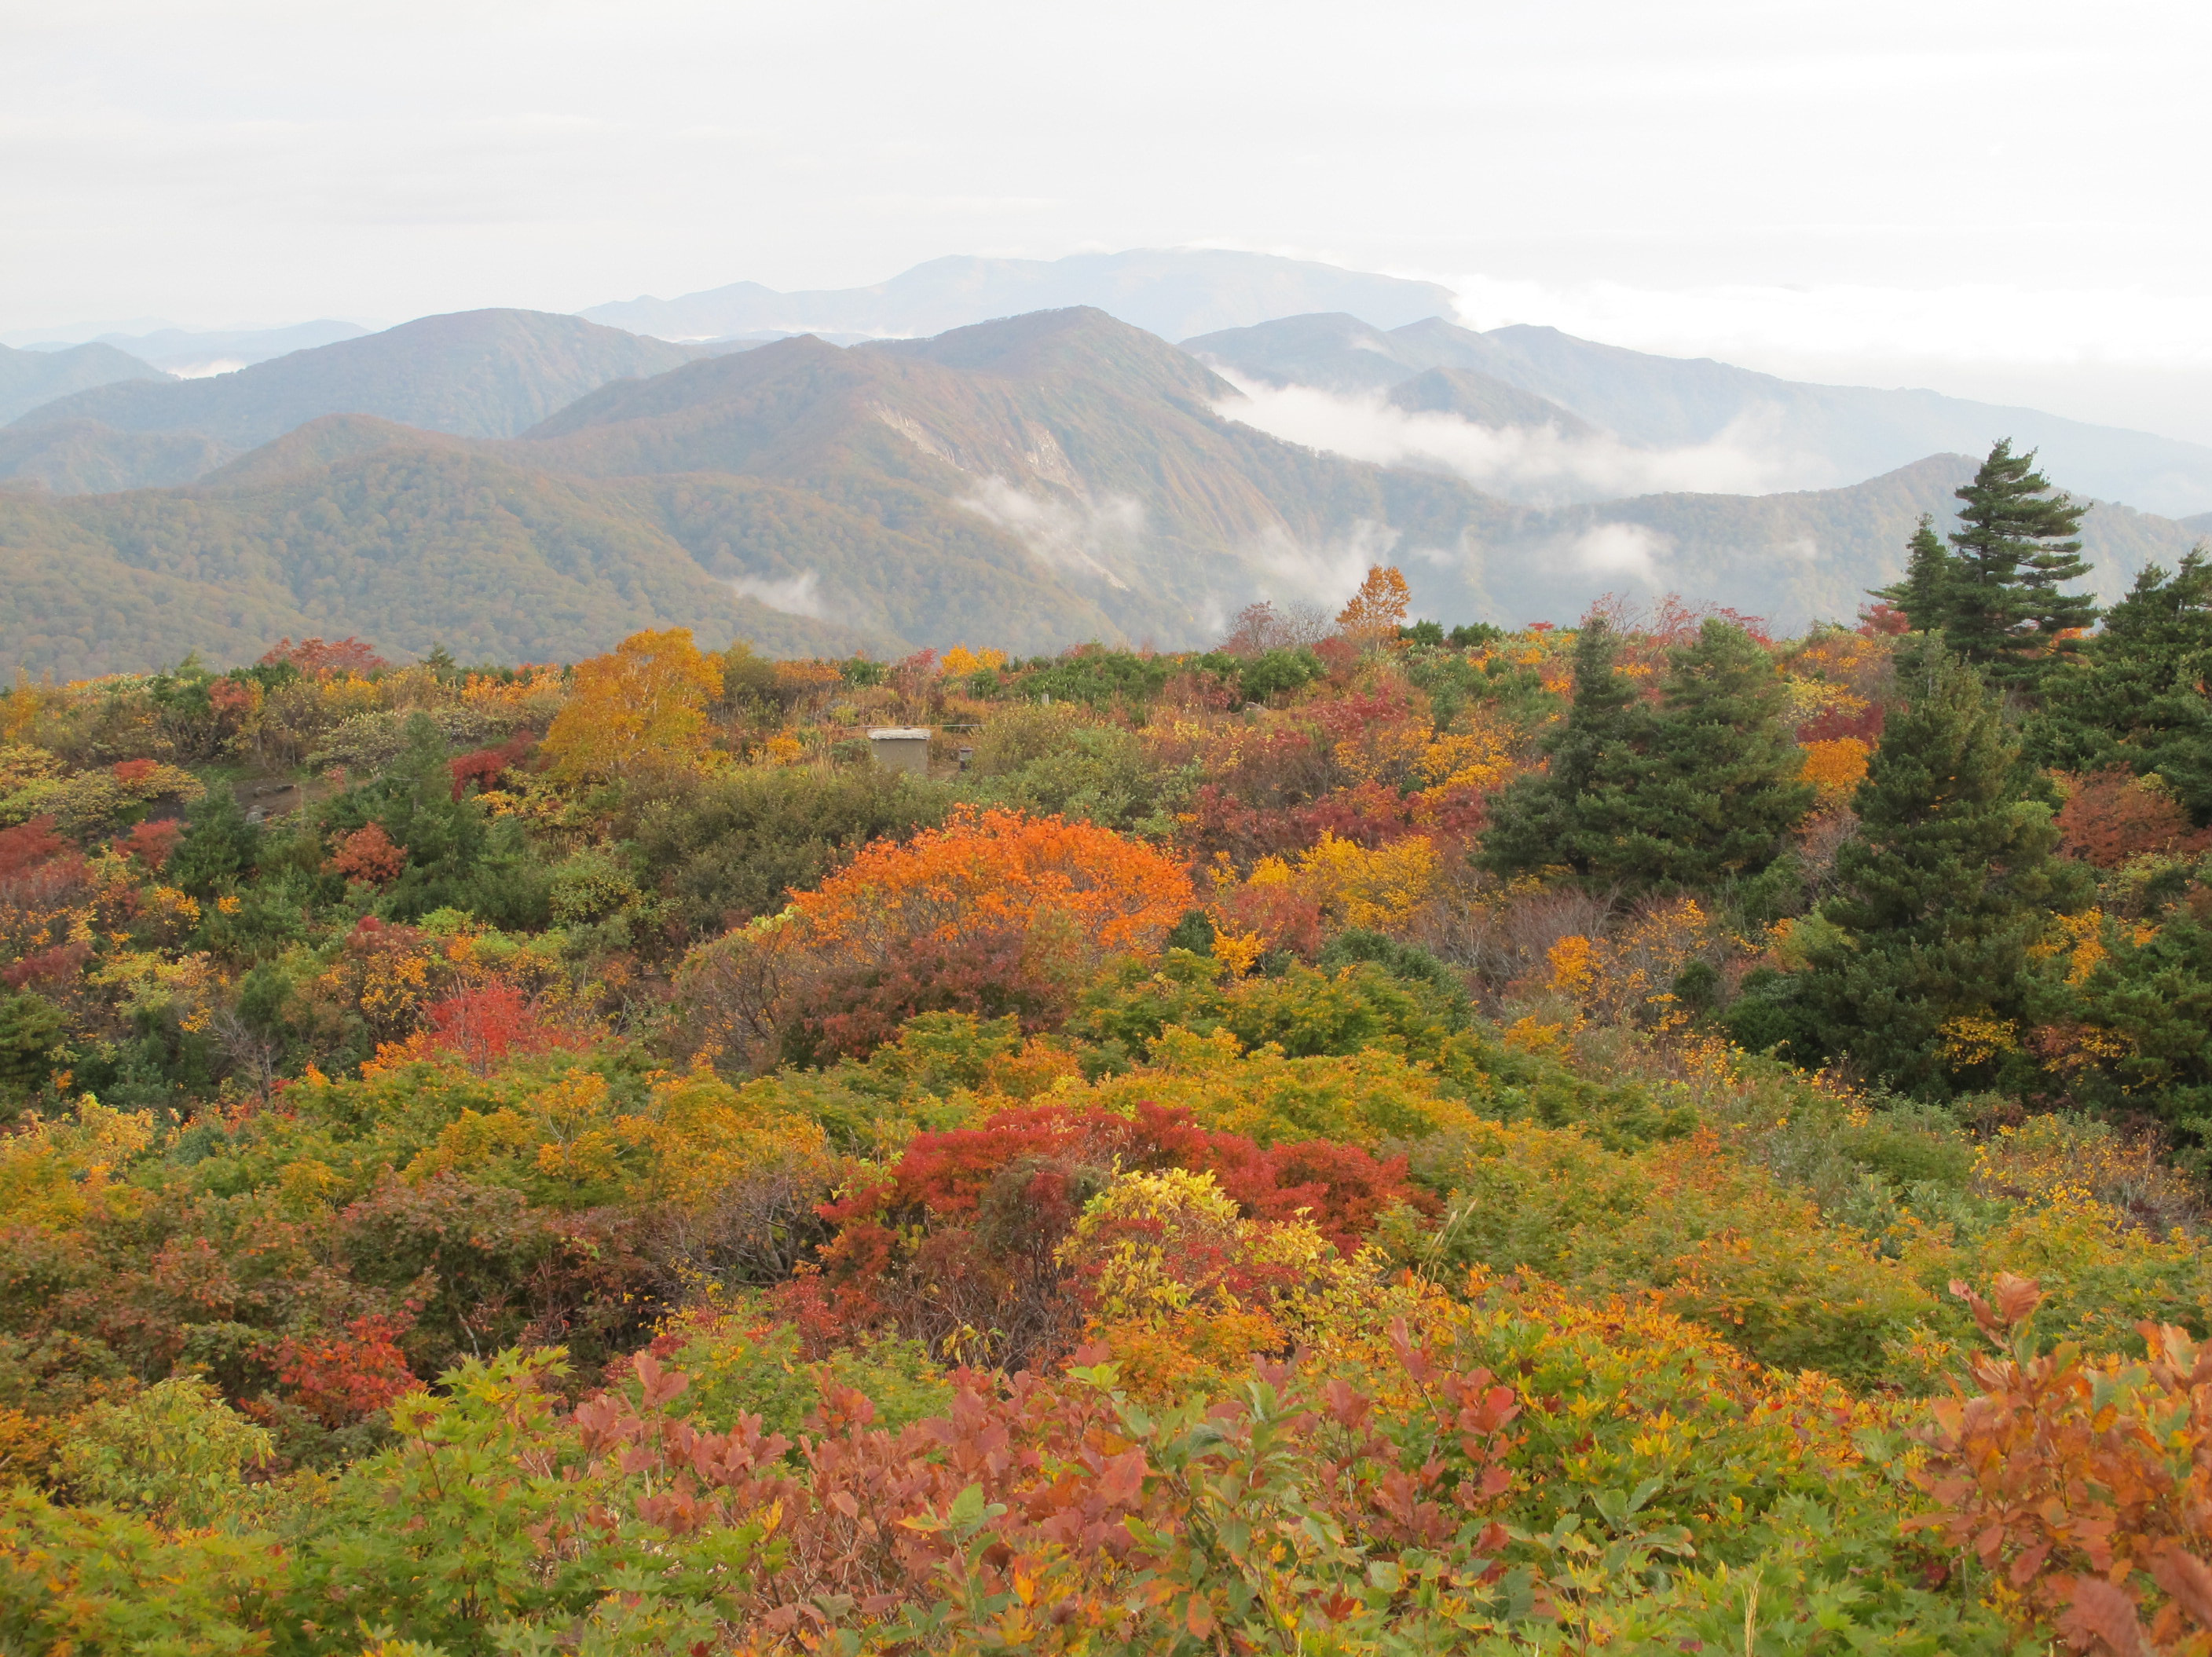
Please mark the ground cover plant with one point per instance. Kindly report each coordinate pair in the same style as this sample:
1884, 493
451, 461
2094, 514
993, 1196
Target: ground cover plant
1641, 1136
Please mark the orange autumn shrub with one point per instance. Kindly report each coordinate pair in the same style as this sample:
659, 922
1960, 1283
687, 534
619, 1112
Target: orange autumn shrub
1835, 765
2083, 1484
996, 912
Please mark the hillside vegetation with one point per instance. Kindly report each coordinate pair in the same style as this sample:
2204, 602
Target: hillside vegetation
1647, 1137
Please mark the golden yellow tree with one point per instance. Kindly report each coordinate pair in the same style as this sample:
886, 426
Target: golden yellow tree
1378, 610
643, 707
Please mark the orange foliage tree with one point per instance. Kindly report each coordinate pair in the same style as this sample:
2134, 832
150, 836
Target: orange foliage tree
995, 913
641, 709
1378, 609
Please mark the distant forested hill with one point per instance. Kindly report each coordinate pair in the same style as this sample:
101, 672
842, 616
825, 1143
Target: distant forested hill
480, 374
28, 378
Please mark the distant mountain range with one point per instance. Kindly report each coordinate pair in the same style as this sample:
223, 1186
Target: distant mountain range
1783, 431
480, 374
1030, 482
30, 378
193, 352
1170, 292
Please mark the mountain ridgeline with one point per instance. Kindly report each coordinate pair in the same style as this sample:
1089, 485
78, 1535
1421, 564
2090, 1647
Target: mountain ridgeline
523, 487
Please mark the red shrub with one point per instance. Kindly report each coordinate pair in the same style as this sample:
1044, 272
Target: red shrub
2112, 816
341, 1379
151, 843
963, 1233
51, 966
320, 658
493, 1021
129, 772
26, 846
485, 766
368, 854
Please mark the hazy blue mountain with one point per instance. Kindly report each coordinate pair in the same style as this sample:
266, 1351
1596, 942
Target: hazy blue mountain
2201, 523
480, 374
28, 378
196, 351
1172, 292
1816, 434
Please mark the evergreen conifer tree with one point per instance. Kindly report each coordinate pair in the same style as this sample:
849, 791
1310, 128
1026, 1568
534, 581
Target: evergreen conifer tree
1703, 789
2139, 697
1925, 592
220, 848
2000, 605
1533, 825
1948, 882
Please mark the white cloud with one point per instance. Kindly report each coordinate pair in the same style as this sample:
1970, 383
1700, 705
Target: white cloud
1065, 535
1541, 465
1325, 575
794, 595
1621, 549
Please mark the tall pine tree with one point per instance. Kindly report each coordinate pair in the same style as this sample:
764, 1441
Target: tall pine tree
2001, 608
1924, 594
1535, 821
1949, 883
1703, 789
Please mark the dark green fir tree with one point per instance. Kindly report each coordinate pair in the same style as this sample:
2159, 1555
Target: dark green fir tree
1707, 789
1536, 823
2000, 606
2138, 695
1948, 885
1925, 591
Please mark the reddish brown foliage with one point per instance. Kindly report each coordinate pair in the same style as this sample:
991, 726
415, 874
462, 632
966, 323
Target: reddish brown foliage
320, 658
493, 1021
2088, 1484
1284, 919
152, 843
25, 846
1083, 1499
485, 766
991, 1204
342, 1379
53, 966
2112, 815
368, 854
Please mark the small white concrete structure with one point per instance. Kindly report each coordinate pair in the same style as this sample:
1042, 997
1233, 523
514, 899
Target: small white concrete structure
901, 747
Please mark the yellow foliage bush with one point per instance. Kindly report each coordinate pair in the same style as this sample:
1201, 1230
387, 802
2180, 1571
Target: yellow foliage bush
1379, 889
1365, 1099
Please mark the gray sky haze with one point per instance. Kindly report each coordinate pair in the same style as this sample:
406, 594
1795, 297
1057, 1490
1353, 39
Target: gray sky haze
2003, 201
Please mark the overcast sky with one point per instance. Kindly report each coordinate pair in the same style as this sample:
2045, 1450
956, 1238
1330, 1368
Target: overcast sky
1998, 200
